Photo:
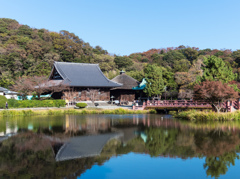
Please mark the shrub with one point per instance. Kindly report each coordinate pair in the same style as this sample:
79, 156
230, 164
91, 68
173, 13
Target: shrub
35, 103
81, 105
3, 101
12, 103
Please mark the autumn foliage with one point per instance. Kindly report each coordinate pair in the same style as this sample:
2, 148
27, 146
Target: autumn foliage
37, 84
214, 92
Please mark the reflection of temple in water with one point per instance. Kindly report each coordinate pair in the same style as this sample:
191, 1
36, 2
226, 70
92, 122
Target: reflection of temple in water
97, 124
8, 129
89, 124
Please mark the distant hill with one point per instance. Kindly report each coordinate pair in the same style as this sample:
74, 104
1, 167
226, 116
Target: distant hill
26, 51
29, 51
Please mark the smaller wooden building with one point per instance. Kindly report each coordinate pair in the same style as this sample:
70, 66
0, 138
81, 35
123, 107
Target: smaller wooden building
125, 93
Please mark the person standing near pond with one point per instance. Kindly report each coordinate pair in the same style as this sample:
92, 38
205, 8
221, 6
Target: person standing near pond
6, 105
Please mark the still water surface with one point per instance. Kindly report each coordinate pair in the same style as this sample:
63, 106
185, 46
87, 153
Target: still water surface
117, 146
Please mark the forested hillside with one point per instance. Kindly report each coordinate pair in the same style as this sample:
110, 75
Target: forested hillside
26, 51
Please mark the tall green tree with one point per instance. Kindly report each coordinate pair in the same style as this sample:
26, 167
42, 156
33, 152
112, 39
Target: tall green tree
190, 53
155, 84
123, 62
215, 69
168, 78
172, 56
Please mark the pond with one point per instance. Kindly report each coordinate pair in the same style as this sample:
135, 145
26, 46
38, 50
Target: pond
117, 146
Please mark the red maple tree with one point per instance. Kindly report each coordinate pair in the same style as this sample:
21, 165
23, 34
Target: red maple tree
214, 92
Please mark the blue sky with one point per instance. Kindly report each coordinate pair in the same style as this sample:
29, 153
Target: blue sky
128, 26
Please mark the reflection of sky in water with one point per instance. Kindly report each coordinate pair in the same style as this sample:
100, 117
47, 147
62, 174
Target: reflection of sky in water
142, 166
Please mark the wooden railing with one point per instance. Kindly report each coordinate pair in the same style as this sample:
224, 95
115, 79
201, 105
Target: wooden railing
229, 105
173, 104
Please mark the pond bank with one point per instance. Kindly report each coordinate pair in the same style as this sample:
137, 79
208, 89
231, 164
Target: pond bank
194, 115
59, 111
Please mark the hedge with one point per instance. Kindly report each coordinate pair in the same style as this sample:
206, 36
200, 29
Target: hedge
3, 101
81, 105
12, 103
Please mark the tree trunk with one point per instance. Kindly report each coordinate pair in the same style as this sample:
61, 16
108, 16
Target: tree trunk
217, 108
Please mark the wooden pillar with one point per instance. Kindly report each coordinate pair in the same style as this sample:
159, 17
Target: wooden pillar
148, 102
133, 107
228, 106
238, 102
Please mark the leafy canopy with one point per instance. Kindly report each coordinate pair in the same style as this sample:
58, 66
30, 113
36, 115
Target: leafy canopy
155, 84
123, 62
215, 69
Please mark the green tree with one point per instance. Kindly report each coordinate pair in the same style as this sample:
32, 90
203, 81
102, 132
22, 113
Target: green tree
168, 78
181, 65
190, 53
105, 62
6, 80
155, 84
138, 75
171, 56
3, 101
215, 69
123, 62
236, 57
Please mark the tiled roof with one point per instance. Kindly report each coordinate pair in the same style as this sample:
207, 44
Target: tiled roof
83, 75
3, 89
127, 81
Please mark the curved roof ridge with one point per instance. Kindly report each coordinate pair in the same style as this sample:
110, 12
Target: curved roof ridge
106, 77
78, 63
101, 72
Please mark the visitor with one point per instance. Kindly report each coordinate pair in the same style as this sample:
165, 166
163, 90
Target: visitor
6, 105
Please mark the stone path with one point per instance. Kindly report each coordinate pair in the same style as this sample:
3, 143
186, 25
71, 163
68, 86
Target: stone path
84, 146
69, 107
40, 108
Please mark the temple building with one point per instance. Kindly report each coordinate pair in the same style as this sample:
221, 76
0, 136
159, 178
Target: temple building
124, 93
87, 81
7, 93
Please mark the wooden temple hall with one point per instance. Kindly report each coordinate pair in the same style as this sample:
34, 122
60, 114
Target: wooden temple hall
124, 93
88, 83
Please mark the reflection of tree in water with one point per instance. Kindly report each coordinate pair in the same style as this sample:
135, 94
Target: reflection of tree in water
160, 141
25, 156
169, 142
216, 166
30, 155
220, 149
